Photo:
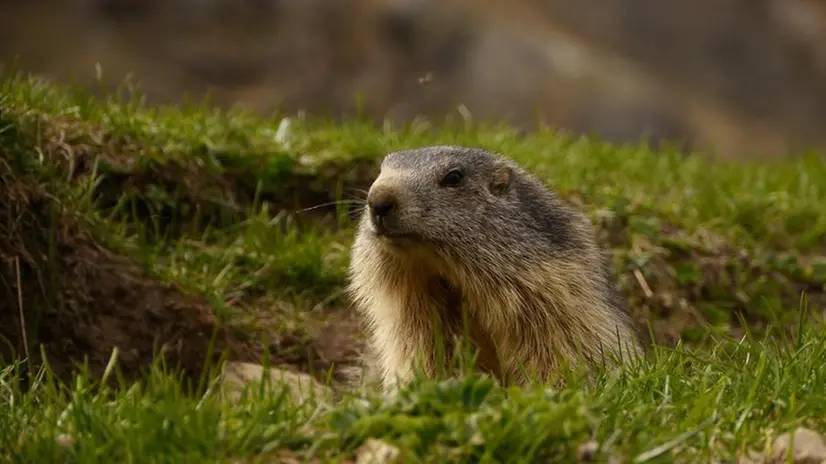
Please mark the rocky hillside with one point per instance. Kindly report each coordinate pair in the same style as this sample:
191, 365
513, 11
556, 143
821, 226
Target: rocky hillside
737, 76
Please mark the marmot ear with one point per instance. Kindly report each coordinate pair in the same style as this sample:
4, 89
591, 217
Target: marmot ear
500, 182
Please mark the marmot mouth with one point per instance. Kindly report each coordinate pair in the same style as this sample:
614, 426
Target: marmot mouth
397, 239
385, 235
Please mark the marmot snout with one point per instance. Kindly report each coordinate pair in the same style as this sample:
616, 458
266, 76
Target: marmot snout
457, 240
383, 207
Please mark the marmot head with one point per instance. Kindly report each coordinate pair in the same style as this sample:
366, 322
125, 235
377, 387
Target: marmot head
459, 200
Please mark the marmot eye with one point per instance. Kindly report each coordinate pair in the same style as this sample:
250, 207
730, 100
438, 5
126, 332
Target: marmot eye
452, 179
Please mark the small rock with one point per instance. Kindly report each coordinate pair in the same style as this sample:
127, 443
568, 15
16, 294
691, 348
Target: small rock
587, 451
64, 440
376, 452
237, 375
752, 457
809, 447
282, 134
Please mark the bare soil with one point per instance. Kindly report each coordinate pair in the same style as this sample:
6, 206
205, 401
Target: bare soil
80, 301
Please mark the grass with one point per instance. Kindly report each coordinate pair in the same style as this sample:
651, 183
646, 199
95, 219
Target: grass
219, 212
677, 404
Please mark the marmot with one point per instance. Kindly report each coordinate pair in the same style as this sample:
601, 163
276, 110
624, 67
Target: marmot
452, 233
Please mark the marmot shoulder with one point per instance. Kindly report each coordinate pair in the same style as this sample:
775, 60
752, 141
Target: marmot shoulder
456, 240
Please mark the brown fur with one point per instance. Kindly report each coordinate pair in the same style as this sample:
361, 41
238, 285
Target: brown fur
532, 303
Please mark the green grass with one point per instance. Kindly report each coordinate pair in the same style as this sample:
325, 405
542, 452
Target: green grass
677, 404
225, 206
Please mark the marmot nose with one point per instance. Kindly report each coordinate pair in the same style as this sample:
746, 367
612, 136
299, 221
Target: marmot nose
383, 207
382, 203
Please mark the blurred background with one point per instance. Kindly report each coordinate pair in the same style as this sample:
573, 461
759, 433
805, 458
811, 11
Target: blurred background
733, 77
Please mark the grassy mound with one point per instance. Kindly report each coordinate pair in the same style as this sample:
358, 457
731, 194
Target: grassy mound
67, 296
199, 231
